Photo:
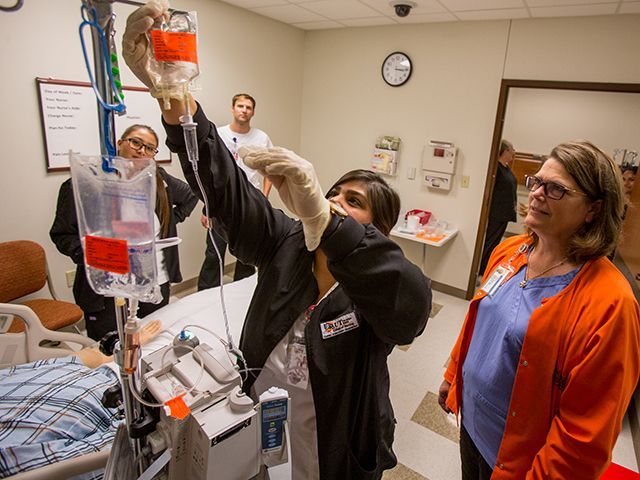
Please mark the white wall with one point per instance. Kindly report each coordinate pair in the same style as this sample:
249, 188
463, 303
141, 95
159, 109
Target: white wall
236, 53
538, 120
451, 96
585, 49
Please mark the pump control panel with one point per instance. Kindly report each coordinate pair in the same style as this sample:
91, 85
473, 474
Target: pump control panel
274, 411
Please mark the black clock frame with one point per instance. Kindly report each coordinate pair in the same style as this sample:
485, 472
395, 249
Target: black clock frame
385, 61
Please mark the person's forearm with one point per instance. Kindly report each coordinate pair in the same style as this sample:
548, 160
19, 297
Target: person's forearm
364, 263
178, 108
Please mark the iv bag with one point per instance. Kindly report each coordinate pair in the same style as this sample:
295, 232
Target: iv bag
116, 223
174, 64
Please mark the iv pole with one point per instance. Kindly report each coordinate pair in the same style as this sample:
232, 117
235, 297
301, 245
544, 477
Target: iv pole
105, 18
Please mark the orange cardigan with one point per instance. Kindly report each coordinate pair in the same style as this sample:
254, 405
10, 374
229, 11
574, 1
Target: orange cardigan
578, 368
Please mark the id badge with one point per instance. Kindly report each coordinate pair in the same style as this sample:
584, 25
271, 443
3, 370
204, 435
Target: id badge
496, 279
296, 363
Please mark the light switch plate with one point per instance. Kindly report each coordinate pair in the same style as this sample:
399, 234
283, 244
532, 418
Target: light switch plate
70, 275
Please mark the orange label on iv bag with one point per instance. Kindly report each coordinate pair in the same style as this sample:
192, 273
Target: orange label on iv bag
109, 254
174, 46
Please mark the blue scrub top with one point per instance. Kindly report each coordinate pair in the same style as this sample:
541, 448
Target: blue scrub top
490, 366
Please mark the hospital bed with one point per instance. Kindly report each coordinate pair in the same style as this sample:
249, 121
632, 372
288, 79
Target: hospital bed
201, 309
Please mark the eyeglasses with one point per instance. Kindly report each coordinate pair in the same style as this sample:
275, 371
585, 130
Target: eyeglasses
137, 144
553, 190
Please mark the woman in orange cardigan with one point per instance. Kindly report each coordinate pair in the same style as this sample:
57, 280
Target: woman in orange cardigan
548, 356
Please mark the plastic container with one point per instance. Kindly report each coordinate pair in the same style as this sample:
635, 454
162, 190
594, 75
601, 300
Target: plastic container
423, 215
174, 63
117, 225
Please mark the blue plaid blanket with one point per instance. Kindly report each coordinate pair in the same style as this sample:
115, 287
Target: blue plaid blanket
50, 411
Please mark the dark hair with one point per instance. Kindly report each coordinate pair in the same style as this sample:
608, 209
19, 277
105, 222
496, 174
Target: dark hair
627, 167
139, 126
163, 209
384, 201
597, 175
243, 95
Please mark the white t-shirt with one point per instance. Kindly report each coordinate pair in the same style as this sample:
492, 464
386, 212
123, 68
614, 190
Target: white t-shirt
253, 138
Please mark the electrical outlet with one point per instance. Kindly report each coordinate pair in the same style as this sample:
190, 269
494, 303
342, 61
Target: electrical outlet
71, 275
464, 183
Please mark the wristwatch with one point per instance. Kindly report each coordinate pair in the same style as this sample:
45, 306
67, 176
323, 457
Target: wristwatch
338, 214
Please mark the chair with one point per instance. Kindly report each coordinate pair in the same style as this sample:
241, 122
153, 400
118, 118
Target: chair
23, 271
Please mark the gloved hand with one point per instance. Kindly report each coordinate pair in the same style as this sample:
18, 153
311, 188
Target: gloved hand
298, 187
136, 49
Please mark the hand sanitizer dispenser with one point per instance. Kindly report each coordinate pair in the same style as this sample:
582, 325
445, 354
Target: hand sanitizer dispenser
438, 164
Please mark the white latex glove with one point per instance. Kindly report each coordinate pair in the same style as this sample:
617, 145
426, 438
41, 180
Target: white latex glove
136, 48
298, 187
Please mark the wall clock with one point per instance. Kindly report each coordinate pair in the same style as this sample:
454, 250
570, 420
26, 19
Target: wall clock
396, 69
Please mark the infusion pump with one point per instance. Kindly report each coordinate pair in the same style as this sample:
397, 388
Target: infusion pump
226, 435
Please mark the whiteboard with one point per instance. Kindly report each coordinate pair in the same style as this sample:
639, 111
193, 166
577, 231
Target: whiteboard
70, 120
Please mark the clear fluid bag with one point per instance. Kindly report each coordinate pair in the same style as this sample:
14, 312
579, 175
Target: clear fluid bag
174, 64
117, 225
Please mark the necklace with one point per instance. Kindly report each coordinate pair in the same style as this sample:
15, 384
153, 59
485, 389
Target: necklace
523, 283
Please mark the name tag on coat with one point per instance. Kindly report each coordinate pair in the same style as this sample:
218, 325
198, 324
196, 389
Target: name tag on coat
338, 326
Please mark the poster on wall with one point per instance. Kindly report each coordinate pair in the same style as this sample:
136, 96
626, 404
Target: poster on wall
69, 116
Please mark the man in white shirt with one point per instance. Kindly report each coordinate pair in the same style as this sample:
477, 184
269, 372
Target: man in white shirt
235, 135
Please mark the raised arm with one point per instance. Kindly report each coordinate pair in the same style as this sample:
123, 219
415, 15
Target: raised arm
245, 217
137, 53
390, 291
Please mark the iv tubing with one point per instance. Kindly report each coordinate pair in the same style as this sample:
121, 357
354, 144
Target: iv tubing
191, 146
118, 106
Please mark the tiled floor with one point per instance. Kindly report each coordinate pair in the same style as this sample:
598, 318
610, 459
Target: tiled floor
426, 438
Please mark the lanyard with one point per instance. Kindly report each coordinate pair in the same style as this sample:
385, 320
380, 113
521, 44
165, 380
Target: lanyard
309, 310
502, 273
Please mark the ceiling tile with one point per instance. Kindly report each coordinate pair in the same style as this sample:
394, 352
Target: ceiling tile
289, 14
368, 22
494, 14
574, 11
339, 9
631, 7
324, 14
461, 5
324, 25
559, 3
428, 18
255, 3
